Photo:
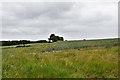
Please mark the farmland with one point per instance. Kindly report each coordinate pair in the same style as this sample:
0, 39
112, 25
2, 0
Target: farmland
64, 59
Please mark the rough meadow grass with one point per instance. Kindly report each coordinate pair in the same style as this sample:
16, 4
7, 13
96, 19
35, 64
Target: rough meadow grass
80, 62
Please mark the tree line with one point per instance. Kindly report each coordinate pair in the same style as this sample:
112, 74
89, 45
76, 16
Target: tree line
53, 38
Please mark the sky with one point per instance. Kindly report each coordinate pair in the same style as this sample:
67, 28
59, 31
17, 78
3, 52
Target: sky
71, 20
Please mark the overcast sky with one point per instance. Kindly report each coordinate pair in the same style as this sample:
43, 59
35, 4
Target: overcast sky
72, 20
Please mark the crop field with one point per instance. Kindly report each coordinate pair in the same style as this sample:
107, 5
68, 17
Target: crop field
67, 59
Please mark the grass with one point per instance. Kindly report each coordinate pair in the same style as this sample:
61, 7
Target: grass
82, 44
32, 62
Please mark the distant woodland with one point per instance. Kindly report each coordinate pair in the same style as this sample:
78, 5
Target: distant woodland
52, 38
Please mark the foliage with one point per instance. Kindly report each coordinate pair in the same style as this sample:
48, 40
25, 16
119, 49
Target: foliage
54, 38
16, 42
41, 41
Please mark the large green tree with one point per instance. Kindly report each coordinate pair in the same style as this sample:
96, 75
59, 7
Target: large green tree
54, 38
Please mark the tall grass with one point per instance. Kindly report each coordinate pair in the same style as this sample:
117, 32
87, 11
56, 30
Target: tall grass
31, 62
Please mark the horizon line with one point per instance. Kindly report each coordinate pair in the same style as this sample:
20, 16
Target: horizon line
64, 39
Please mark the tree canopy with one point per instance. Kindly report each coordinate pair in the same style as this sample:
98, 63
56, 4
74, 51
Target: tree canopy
54, 38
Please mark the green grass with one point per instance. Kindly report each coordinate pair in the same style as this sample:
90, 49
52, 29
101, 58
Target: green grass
89, 62
82, 44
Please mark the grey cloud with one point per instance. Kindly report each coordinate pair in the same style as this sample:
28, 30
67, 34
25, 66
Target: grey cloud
72, 20
33, 10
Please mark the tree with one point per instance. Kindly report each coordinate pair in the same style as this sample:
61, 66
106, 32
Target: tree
41, 41
61, 38
54, 38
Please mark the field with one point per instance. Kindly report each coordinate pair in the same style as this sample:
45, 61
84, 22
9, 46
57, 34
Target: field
68, 59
